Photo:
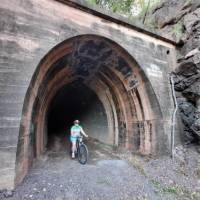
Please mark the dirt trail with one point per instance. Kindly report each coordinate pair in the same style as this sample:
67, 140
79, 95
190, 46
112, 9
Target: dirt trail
107, 175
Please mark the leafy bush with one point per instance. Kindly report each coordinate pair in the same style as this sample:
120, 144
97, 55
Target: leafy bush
137, 8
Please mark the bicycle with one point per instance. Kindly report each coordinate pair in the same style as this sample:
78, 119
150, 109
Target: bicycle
82, 151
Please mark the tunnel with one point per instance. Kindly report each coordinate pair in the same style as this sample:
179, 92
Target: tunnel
93, 79
75, 101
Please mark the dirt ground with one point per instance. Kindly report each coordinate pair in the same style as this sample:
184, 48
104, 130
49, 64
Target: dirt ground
110, 174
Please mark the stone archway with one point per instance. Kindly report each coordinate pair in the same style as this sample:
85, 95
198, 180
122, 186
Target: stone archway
95, 62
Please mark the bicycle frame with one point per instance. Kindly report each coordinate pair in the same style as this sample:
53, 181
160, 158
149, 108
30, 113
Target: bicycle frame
79, 141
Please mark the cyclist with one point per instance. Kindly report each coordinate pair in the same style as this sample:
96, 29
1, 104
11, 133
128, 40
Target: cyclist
76, 131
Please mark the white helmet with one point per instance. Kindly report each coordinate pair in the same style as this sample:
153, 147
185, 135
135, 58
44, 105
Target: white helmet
76, 121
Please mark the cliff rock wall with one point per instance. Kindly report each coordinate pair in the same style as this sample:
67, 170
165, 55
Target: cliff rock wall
180, 21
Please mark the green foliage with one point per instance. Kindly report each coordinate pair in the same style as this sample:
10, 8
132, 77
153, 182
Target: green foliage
117, 6
178, 30
129, 8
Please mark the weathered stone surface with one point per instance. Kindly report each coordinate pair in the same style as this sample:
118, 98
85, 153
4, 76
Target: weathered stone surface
187, 111
193, 91
30, 29
181, 20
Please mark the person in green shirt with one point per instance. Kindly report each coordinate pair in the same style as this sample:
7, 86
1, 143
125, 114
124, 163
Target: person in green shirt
75, 132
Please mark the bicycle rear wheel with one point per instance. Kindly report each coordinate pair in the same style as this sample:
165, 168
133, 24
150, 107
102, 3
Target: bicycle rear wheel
82, 154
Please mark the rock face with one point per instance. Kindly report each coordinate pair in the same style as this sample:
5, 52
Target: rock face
180, 20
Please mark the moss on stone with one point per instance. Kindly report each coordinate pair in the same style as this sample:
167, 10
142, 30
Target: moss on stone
178, 30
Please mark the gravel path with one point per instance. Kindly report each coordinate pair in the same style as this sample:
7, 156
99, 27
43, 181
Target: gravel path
66, 179
106, 177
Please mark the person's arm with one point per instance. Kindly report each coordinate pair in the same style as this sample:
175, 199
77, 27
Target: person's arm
82, 131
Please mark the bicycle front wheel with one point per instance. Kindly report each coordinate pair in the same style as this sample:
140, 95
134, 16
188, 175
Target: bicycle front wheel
82, 154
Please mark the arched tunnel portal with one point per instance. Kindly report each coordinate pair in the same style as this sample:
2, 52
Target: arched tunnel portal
95, 80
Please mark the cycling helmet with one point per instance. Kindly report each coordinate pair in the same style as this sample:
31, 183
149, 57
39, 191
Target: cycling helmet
76, 121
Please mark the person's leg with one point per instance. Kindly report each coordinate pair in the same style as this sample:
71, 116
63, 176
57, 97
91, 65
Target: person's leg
73, 148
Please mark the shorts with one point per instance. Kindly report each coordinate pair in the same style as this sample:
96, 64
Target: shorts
73, 138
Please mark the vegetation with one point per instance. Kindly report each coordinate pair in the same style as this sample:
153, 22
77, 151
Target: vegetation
177, 191
178, 30
128, 8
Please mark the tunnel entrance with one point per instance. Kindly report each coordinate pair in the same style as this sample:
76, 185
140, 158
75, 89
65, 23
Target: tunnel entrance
75, 101
93, 79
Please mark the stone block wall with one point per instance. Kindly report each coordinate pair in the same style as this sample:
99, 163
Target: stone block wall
30, 29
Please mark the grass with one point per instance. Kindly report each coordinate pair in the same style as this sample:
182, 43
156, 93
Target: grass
165, 189
179, 192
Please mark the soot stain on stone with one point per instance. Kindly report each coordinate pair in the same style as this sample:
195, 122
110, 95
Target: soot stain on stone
91, 55
123, 66
106, 55
92, 48
83, 66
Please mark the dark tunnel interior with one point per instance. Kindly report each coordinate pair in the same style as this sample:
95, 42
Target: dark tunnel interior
75, 101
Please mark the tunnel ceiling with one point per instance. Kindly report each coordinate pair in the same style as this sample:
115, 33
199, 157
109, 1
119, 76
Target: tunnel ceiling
91, 57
